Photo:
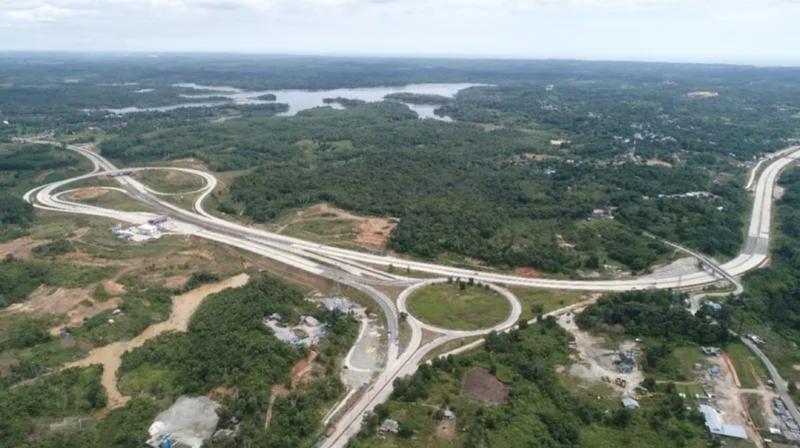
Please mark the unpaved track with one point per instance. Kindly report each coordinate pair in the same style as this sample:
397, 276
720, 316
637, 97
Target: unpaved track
183, 306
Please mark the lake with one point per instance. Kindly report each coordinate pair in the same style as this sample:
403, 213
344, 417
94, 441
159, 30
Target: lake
299, 100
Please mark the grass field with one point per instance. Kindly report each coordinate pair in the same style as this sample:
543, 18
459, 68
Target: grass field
448, 306
111, 199
748, 367
547, 299
326, 231
170, 181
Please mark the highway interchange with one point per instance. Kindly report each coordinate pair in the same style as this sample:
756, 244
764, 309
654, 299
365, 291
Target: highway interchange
363, 271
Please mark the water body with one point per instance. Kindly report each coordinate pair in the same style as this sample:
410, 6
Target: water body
300, 100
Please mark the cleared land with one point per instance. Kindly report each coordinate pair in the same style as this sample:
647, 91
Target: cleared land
330, 225
537, 301
449, 306
171, 182
749, 369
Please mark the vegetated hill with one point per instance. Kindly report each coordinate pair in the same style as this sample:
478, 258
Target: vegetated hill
543, 407
627, 138
769, 306
226, 347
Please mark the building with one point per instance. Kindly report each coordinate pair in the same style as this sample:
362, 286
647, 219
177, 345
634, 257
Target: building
311, 321
147, 230
711, 351
560, 143
390, 425
714, 305
716, 426
601, 213
630, 403
157, 220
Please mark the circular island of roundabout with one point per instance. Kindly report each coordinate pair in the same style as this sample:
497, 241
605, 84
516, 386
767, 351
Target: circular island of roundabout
458, 306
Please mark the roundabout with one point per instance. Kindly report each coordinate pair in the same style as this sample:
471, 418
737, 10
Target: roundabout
439, 306
458, 306
363, 271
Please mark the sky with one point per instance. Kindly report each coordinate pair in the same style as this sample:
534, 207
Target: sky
762, 32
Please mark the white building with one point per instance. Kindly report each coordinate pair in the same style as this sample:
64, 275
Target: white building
716, 426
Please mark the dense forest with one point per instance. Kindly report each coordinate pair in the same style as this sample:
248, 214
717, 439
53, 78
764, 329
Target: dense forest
533, 151
226, 345
769, 305
660, 314
502, 197
542, 409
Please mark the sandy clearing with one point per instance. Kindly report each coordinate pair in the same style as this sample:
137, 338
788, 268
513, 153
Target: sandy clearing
80, 313
489, 127
277, 391
45, 299
80, 232
527, 272
113, 288
176, 281
728, 399
20, 247
594, 361
445, 429
658, 162
205, 254
481, 385
183, 306
702, 94
371, 232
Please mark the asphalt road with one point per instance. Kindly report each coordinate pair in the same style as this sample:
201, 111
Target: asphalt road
781, 386
357, 269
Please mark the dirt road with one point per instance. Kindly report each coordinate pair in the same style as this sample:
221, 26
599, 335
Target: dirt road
183, 306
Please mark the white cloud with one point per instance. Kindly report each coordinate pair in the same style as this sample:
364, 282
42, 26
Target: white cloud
696, 30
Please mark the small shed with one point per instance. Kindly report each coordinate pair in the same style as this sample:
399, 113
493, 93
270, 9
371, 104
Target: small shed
630, 403
390, 425
311, 321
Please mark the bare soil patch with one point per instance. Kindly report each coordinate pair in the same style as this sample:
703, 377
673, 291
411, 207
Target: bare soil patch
113, 288
483, 386
20, 247
657, 162
183, 306
703, 94
526, 272
176, 281
445, 429
489, 127
277, 391
43, 175
80, 232
46, 300
205, 254
371, 232
77, 315
594, 361
302, 369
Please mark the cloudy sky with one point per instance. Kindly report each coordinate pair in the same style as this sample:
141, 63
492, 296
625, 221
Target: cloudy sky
736, 31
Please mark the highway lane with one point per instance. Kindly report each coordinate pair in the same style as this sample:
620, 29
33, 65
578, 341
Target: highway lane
350, 422
754, 254
355, 268
781, 386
